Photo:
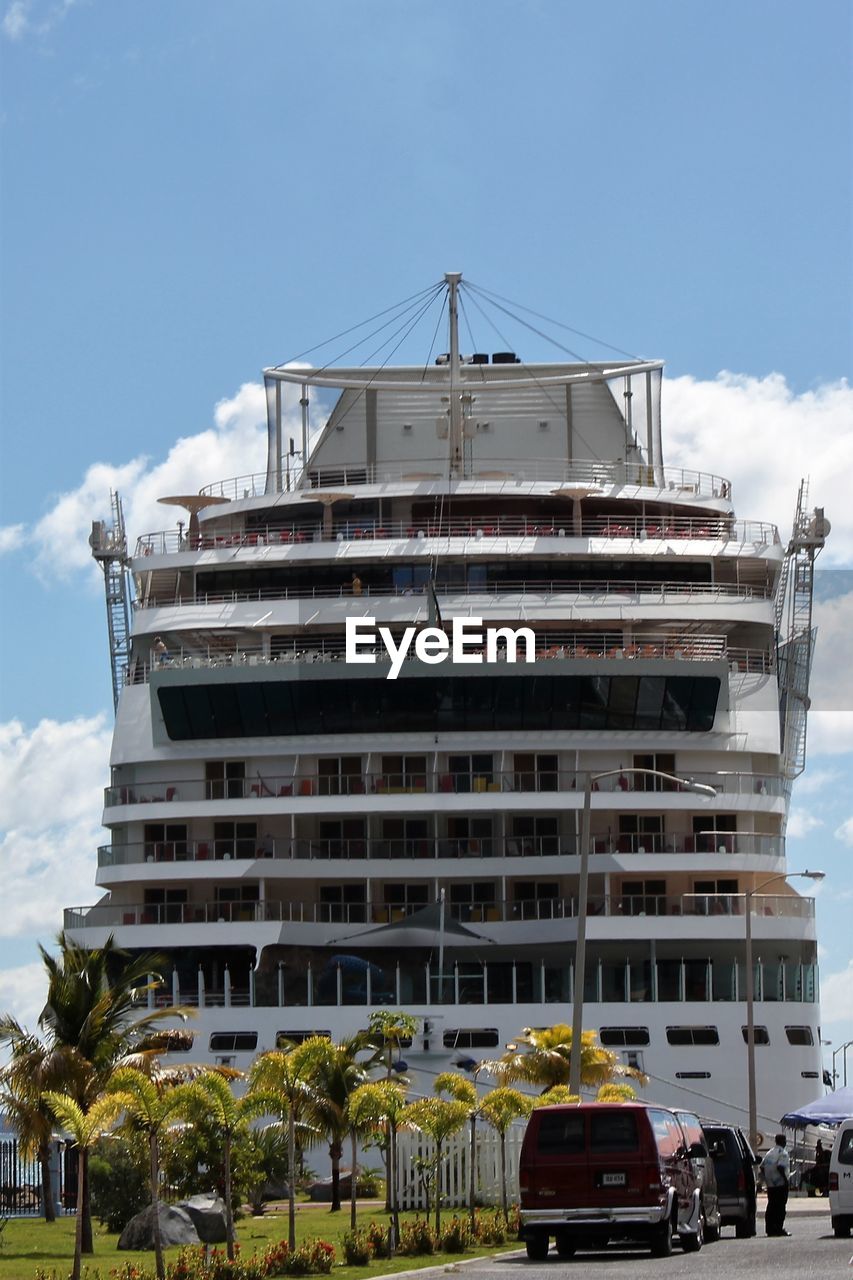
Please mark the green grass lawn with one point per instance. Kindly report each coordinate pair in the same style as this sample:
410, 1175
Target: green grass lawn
29, 1244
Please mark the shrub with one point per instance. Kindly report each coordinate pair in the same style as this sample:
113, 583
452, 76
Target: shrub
455, 1236
416, 1238
380, 1239
118, 1179
368, 1184
191, 1265
311, 1258
357, 1248
489, 1227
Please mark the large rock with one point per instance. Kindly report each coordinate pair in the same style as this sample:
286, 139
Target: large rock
176, 1227
321, 1190
208, 1216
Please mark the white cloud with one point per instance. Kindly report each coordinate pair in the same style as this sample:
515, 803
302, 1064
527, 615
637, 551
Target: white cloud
51, 781
844, 833
11, 537
234, 445
22, 18
765, 438
836, 996
801, 823
22, 992
830, 725
16, 19
816, 780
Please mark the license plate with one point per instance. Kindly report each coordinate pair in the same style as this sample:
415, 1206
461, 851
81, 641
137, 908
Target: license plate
613, 1179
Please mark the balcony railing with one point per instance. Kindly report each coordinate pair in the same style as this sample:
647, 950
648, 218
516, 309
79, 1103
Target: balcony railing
549, 471
686, 647
304, 783
627, 592
510, 911
619, 528
430, 847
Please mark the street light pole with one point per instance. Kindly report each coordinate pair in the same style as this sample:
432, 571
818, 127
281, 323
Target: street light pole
842, 1049
583, 890
752, 1103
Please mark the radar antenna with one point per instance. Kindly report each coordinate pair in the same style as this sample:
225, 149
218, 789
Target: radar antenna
795, 633
109, 547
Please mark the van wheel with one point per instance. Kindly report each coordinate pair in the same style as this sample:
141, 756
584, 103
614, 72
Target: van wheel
537, 1246
693, 1242
662, 1240
745, 1230
841, 1229
566, 1245
712, 1234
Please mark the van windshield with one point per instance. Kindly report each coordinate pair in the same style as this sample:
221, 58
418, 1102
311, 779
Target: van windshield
561, 1133
613, 1131
845, 1148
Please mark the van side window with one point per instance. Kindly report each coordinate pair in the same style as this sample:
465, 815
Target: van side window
613, 1131
845, 1148
667, 1133
561, 1133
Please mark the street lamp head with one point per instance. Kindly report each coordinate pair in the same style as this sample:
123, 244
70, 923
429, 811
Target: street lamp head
813, 875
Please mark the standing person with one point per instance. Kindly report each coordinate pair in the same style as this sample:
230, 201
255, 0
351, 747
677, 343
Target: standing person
158, 648
775, 1166
357, 587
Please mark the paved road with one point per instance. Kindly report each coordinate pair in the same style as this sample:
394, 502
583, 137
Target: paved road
812, 1253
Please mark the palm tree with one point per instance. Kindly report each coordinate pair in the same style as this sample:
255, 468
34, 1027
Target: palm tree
151, 1103
22, 1083
439, 1119
85, 1127
335, 1073
210, 1095
280, 1084
381, 1106
92, 1023
463, 1090
546, 1057
499, 1108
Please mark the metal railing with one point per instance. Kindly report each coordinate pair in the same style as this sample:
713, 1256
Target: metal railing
229, 536
310, 782
686, 647
491, 911
495, 470
634, 591
430, 847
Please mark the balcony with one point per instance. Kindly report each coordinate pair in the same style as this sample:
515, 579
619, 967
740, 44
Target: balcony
303, 783
286, 849
622, 528
273, 910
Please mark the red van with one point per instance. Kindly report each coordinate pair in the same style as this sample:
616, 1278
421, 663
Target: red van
600, 1171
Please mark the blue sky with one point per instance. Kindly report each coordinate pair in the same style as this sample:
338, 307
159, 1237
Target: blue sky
190, 192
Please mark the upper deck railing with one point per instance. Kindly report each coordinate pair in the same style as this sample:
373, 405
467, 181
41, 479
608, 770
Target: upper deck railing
635, 528
496, 470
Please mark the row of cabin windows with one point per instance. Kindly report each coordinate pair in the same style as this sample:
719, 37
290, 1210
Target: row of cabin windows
620, 1037
488, 1038
247, 1041
225, 779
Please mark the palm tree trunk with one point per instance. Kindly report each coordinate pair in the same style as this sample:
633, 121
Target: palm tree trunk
46, 1183
392, 1185
353, 1191
78, 1229
335, 1154
229, 1208
291, 1160
155, 1205
504, 1204
84, 1205
472, 1169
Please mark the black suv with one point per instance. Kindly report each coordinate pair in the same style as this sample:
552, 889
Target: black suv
735, 1164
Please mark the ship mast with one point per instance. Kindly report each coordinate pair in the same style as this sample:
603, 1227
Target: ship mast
456, 422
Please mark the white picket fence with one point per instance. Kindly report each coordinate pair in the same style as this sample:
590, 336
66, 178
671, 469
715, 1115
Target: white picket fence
414, 1146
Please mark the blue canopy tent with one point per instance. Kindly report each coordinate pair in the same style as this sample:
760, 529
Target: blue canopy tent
832, 1109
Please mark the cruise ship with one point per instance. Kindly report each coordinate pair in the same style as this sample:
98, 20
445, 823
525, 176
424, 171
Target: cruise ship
366, 698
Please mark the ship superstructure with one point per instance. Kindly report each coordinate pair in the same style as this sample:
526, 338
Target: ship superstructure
307, 840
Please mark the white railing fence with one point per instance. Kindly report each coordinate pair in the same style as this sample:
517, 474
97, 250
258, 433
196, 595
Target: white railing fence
414, 1147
